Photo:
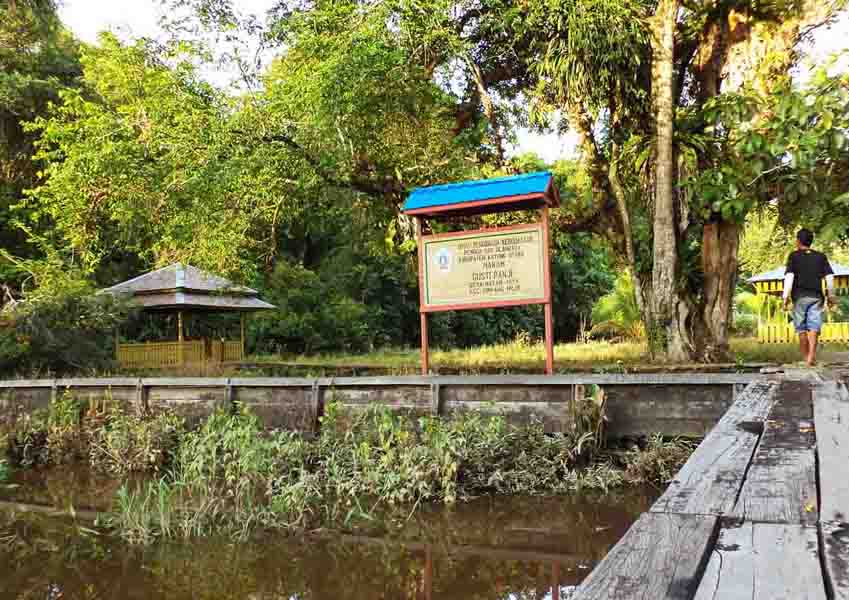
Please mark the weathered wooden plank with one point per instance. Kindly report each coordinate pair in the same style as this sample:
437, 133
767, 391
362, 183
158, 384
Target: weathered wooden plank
795, 401
295, 382
674, 409
709, 482
831, 418
540, 380
27, 383
661, 556
835, 551
602, 379
185, 382
764, 561
781, 485
100, 382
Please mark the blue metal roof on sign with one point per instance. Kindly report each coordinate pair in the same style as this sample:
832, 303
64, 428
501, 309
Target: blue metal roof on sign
476, 191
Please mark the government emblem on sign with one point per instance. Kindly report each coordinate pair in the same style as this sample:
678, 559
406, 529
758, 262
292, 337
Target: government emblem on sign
443, 260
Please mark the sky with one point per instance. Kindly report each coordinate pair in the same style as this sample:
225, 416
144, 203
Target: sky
139, 18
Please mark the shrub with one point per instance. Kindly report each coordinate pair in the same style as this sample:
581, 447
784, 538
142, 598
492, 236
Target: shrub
49, 437
125, 442
312, 315
70, 331
4, 465
658, 461
66, 439
28, 443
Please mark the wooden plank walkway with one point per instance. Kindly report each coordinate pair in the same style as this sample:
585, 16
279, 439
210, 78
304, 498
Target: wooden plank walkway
774, 561
759, 511
831, 418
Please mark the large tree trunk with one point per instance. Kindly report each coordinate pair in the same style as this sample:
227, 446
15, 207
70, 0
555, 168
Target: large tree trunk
720, 242
667, 330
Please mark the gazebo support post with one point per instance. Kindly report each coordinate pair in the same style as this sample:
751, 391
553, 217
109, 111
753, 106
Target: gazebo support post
242, 321
180, 356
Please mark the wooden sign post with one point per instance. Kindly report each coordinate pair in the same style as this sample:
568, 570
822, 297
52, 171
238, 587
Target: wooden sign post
485, 268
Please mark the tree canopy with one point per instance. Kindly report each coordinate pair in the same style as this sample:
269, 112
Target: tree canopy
121, 156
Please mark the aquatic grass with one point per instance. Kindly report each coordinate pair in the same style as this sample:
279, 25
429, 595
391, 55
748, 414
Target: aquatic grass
27, 443
658, 461
229, 476
144, 514
121, 442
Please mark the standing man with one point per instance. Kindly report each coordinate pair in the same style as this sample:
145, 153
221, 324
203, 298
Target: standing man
806, 269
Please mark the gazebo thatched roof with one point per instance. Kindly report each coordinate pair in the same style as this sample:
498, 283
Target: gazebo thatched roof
180, 286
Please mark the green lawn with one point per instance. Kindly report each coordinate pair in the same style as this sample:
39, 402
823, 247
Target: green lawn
593, 355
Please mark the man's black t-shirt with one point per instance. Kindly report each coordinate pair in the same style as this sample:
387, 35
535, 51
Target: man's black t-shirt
808, 268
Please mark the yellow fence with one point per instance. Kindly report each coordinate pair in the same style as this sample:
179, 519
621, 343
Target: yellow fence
232, 351
784, 333
776, 286
174, 354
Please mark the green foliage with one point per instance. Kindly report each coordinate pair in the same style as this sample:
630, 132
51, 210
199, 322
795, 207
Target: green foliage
145, 513
230, 476
60, 330
658, 461
123, 442
788, 143
592, 50
312, 315
53, 436
131, 163
616, 314
27, 445
5, 469
103, 433
38, 58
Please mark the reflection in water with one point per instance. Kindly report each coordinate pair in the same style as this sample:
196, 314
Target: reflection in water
493, 549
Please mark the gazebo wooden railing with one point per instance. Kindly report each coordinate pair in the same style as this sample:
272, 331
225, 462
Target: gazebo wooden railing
774, 326
175, 354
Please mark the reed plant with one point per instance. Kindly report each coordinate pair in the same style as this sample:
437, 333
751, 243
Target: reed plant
229, 476
658, 460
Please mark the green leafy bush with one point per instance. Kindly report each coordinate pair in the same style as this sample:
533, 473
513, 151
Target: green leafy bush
70, 331
616, 314
105, 435
312, 315
53, 436
124, 442
27, 445
658, 461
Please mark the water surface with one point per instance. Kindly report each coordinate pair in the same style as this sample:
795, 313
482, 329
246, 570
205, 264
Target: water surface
491, 548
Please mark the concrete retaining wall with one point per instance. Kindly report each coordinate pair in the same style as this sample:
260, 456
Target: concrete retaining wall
674, 404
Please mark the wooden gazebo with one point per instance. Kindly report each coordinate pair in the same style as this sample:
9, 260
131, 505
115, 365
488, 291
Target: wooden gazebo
773, 325
183, 289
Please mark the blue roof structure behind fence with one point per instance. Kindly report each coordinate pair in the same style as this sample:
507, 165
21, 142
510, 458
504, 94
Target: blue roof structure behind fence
517, 192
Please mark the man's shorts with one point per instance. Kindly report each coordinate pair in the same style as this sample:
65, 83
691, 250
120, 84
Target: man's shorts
807, 314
